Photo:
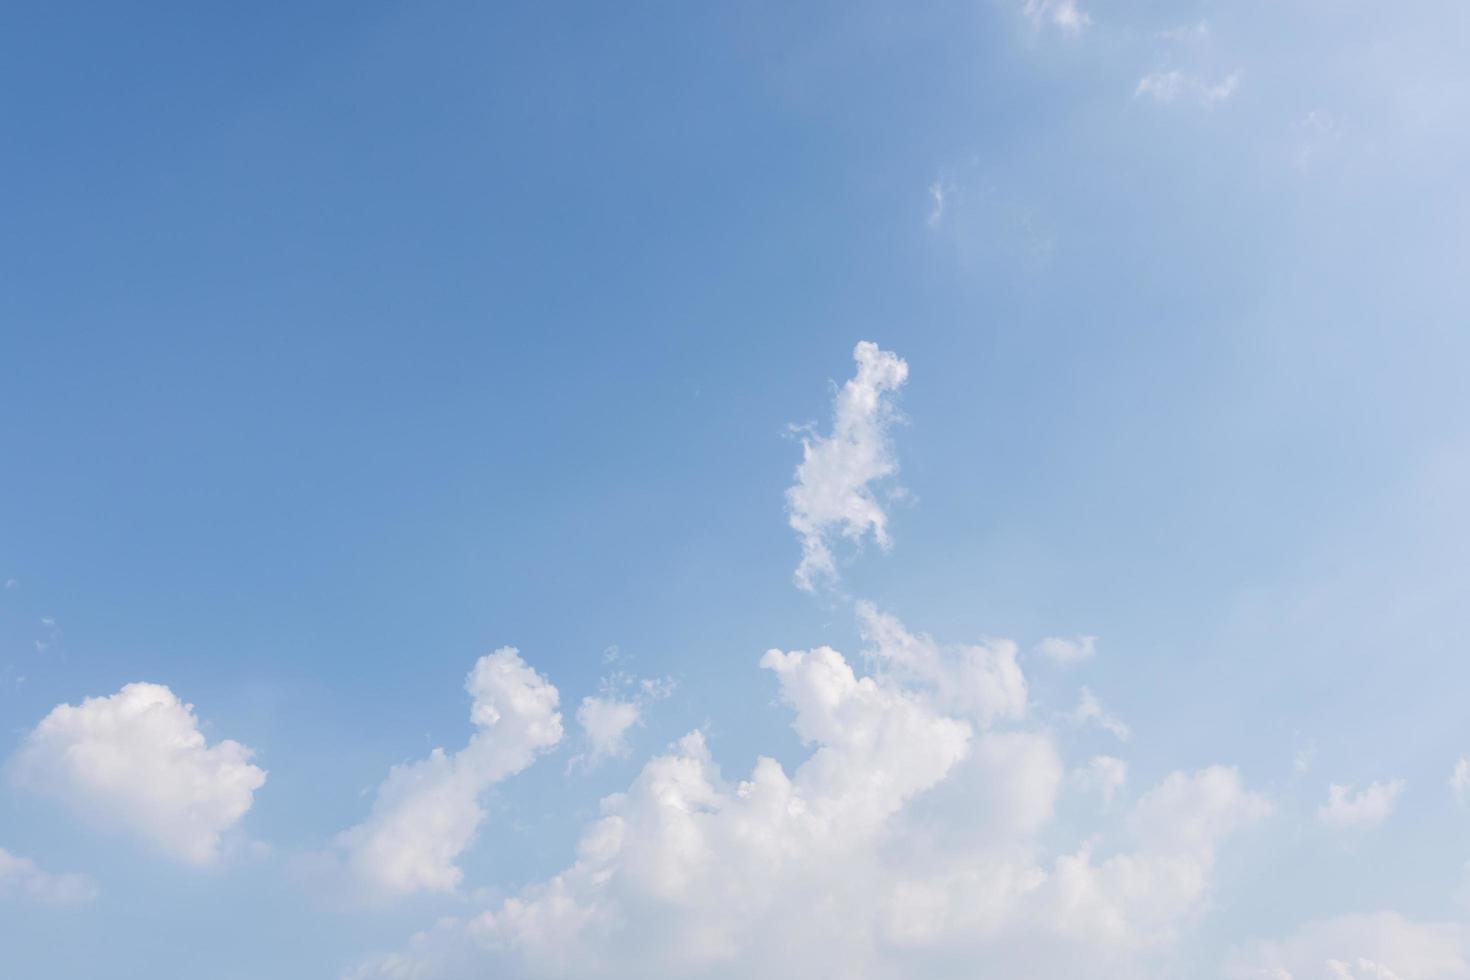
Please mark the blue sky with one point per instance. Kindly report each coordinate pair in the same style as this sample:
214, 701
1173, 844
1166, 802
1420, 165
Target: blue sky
345, 345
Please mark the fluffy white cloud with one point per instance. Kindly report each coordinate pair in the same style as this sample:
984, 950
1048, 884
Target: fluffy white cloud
1368, 807
1066, 649
1460, 780
137, 761
909, 841
1060, 13
833, 490
427, 812
1378, 946
20, 878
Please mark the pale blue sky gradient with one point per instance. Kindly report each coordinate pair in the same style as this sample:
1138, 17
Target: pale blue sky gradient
341, 344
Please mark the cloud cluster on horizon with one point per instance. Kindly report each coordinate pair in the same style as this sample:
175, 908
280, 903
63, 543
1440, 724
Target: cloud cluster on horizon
918, 835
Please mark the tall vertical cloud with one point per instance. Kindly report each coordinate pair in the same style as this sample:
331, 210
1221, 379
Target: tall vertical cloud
136, 761
427, 813
833, 491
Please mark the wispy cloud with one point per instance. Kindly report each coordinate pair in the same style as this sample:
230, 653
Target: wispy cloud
1174, 86
20, 878
1368, 807
833, 493
1066, 649
1089, 710
1064, 14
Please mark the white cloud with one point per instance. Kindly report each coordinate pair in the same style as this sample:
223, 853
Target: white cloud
1366, 808
137, 761
1141, 898
20, 878
1103, 775
908, 842
1089, 710
427, 813
606, 721
1460, 780
1302, 761
607, 717
982, 680
1064, 14
1066, 649
1171, 86
1378, 946
833, 489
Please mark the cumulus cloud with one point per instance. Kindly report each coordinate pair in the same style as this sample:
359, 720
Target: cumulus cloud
136, 761
1460, 780
20, 878
1366, 808
916, 834
833, 492
1377, 946
427, 812
1064, 14
1066, 649
1172, 86
909, 840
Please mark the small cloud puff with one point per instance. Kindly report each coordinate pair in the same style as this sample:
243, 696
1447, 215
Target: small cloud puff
1066, 649
1064, 14
1171, 86
608, 716
1366, 808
